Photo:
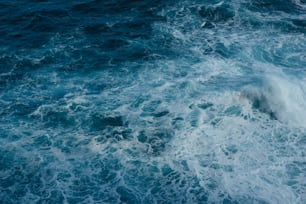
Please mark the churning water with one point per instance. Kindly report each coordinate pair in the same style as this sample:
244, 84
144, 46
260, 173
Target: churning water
121, 101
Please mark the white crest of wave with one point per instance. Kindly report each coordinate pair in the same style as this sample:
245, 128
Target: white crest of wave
283, 96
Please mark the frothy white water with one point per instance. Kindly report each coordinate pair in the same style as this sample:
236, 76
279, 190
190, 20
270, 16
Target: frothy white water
282, 96
238, 150
219, 112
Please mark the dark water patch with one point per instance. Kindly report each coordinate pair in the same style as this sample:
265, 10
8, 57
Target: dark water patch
133, 29
100, 122
82, 187
98, 30
9, 78
273, 6
19, 109
110, 128
217, 14
114, 136
96, 178
295, 170
115, 41
177, 123
233, 111
97, 86
93, 8
230, 149
132, 54
33, 28
300, 25
42, 142
225, 51
114, 44
26, 40
126, 195
54, 14
274, 16
208, 25
287, 25
83, 60
7, 159
14, 69
156, 140
54, 117
26, 177
126, 19
7, 63
161, 114
142, 137
28, 31
250, 199
40, 25
205, 105
104, 55
115, 37
151, 107
105, 176
124, 7
68, 144
54, 196
229, 200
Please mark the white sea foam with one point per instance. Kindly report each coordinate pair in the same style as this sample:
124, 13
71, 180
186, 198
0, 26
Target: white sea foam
223, 116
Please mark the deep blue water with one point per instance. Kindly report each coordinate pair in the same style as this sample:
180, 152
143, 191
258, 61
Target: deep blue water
129, 101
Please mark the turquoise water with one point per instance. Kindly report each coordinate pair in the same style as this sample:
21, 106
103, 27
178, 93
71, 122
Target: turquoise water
153, 101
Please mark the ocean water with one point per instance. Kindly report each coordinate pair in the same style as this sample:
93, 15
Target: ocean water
129, 101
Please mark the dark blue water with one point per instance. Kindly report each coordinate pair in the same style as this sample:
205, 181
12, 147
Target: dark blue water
117, 101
